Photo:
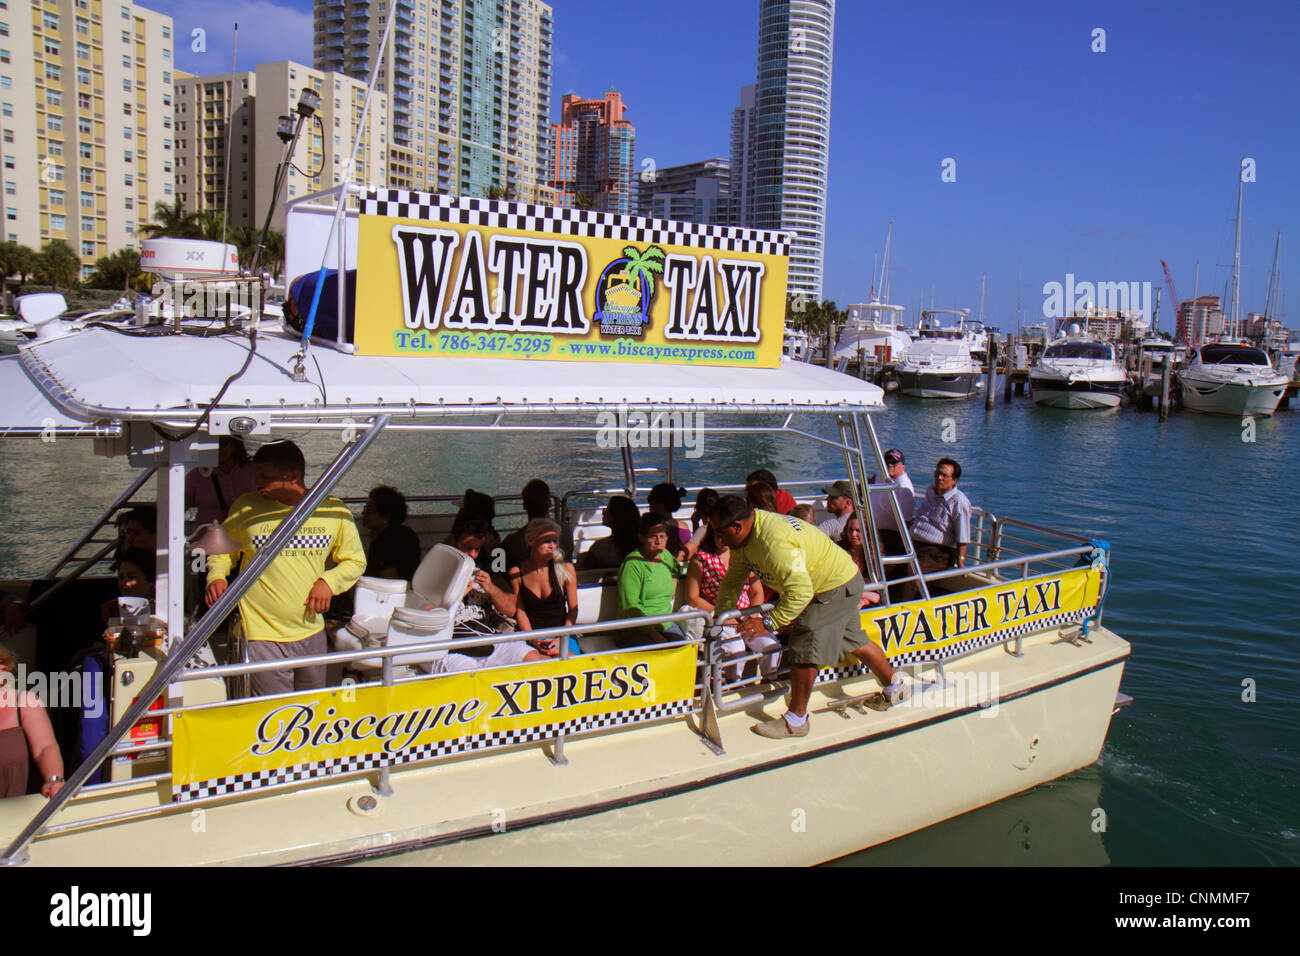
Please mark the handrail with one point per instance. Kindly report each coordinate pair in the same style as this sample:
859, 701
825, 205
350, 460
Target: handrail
102, 520
206, 626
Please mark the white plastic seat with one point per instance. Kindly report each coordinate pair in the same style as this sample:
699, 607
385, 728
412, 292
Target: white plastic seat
437, 590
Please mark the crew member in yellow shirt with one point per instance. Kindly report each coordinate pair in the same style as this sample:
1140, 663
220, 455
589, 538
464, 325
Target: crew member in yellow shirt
281, 611
820, 589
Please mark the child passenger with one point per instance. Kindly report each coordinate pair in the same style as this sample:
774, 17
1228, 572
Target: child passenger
703, 577
647, 582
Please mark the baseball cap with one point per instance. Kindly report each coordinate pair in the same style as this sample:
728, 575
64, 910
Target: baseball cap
894, 457
841, 489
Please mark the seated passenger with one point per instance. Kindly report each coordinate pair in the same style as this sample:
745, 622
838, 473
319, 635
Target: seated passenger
851, 541
212, 490
485, 612
703, 576
135, 578
537, 504
705, 500
545, 587
647, 584
784, 500
664, 499
395, 548
803, 512
759, 494
621, 517
140, 528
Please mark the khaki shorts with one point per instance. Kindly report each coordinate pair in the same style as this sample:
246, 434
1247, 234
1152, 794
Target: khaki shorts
829, 627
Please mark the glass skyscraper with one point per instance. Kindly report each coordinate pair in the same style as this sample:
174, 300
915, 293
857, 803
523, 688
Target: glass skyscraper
780, 133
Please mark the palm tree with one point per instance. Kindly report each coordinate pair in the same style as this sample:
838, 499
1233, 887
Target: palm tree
57, 264
117, 271
584, 201
15, 259
273, 254
212, 225
642, 265
173, 222
245, 238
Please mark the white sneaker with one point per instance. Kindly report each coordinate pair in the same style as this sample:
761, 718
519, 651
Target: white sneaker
898, 691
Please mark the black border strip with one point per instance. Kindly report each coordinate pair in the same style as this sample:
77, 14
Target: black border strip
664, 792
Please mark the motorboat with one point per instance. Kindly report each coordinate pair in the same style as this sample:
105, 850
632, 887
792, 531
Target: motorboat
1231, 379
873, 333
1078, 372
939, 368
580, 758
794, 345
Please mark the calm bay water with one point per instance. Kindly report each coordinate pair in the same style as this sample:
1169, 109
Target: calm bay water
1205, 532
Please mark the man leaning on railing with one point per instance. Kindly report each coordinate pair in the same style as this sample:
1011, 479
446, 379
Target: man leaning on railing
820, 589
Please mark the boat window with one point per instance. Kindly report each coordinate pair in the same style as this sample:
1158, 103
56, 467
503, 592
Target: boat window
1232, 355
1078, 350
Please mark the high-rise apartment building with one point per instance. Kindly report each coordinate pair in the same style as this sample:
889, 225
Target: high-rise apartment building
469, 84
204, 115
695, 192
261, 97
781, 133
86, 121
593, 149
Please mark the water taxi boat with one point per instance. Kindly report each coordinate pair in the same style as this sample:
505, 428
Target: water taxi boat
1227, 379
617, 754
1078, 372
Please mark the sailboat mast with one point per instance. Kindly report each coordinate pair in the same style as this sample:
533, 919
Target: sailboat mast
983, 281
884, 271
1236, 258
1272, 279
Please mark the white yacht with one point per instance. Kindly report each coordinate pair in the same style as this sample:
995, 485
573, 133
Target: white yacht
939, 368
1227, 379
1078, 372
874, 331
795, 345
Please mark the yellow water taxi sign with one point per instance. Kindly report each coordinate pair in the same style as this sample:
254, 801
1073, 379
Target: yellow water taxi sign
961, 622
251, 744
445, 276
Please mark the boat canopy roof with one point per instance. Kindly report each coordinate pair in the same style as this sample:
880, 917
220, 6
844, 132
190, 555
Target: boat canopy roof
1080, 350
1232, 355
26, 410
98, 374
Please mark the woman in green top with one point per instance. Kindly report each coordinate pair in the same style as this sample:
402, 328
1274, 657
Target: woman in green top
647, 583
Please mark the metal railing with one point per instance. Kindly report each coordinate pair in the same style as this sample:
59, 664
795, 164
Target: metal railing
388, 677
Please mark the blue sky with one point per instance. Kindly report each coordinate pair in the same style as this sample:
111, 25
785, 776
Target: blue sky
1067, 161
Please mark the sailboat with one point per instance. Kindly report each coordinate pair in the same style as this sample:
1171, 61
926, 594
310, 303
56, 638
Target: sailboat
1227, 378
874, 329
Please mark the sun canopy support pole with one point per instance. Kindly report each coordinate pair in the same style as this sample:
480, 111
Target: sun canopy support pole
180, 654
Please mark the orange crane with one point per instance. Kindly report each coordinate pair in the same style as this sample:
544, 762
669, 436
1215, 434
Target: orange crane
1181, 334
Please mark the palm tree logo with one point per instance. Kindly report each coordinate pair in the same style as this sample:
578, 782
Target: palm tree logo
626, 288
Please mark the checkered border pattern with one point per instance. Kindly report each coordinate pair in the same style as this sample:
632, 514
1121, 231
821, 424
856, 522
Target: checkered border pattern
586, 223
242, 782
828, 675
303, 541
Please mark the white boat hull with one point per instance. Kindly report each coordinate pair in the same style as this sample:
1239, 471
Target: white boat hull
657, 795
1237, 400
1076, 399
